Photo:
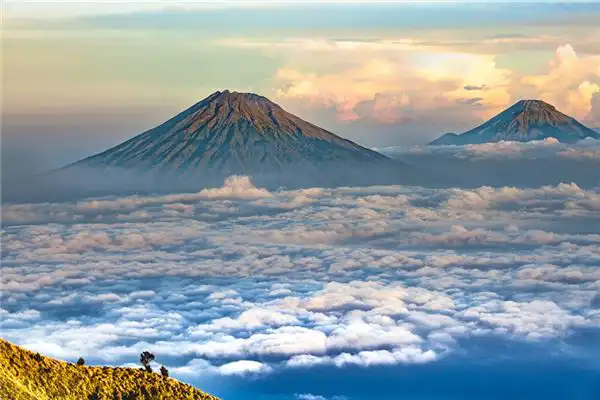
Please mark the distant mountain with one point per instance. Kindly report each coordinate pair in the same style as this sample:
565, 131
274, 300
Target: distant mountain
25, 375
234, 133
227, 133
524, 121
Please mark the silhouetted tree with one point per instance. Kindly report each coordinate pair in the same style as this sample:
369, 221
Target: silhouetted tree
145, 358
81, 361
164, 371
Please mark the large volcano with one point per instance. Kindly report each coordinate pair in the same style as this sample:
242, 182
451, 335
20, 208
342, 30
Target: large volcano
234, 133
524, 121
227, 133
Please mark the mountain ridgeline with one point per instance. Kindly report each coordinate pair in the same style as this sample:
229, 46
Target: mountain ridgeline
25, 375
525, 121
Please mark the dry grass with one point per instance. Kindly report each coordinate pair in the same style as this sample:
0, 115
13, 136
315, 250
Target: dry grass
25, 375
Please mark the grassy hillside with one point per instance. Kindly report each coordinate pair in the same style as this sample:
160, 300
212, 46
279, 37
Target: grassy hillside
25, 375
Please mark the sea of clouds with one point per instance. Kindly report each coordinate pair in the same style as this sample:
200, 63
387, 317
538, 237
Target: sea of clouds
521, 164
300, 294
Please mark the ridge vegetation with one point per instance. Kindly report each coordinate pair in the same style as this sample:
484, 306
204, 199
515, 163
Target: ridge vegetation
25, 375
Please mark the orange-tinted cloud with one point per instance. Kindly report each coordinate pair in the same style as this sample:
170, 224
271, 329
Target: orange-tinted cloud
570, 82
390, 81
387, 82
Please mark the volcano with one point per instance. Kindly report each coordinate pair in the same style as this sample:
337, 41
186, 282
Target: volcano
227, 133
234, 133
525, 121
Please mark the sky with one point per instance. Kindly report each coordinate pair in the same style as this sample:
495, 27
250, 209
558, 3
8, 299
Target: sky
79, 77
487, 288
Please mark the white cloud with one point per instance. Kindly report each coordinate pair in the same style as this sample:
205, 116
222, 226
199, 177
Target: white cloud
406, 355
243, 367
238, 187
548, 148
310, 396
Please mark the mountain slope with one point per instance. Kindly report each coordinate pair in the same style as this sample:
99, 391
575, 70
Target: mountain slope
25, 375
524, 121
228, 133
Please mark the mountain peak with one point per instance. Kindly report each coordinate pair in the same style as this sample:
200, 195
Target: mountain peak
524, 121
239, 96
533, 102
533, 106
247, 104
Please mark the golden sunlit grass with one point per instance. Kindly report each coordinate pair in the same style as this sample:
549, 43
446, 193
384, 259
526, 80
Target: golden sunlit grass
25, 375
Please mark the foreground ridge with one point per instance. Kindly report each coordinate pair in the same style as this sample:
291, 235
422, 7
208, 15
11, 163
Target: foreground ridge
25, 375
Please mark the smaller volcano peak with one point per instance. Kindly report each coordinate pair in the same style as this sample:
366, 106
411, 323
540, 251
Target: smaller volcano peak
526, 120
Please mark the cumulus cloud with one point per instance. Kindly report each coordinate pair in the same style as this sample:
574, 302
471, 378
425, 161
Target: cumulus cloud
239, 187
243, 367
310, 396
240, 368
397, 81
570, 82
392, 82
407, 355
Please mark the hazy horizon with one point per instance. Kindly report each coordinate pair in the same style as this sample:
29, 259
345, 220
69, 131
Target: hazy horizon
80, 79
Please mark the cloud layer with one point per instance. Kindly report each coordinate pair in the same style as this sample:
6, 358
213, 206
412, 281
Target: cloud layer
243, 283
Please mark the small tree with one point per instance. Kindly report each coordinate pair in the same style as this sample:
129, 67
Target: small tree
164, 371
145, 358
81, 361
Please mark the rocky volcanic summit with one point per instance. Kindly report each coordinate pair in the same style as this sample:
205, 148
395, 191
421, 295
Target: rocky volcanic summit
234, 133
525, 121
